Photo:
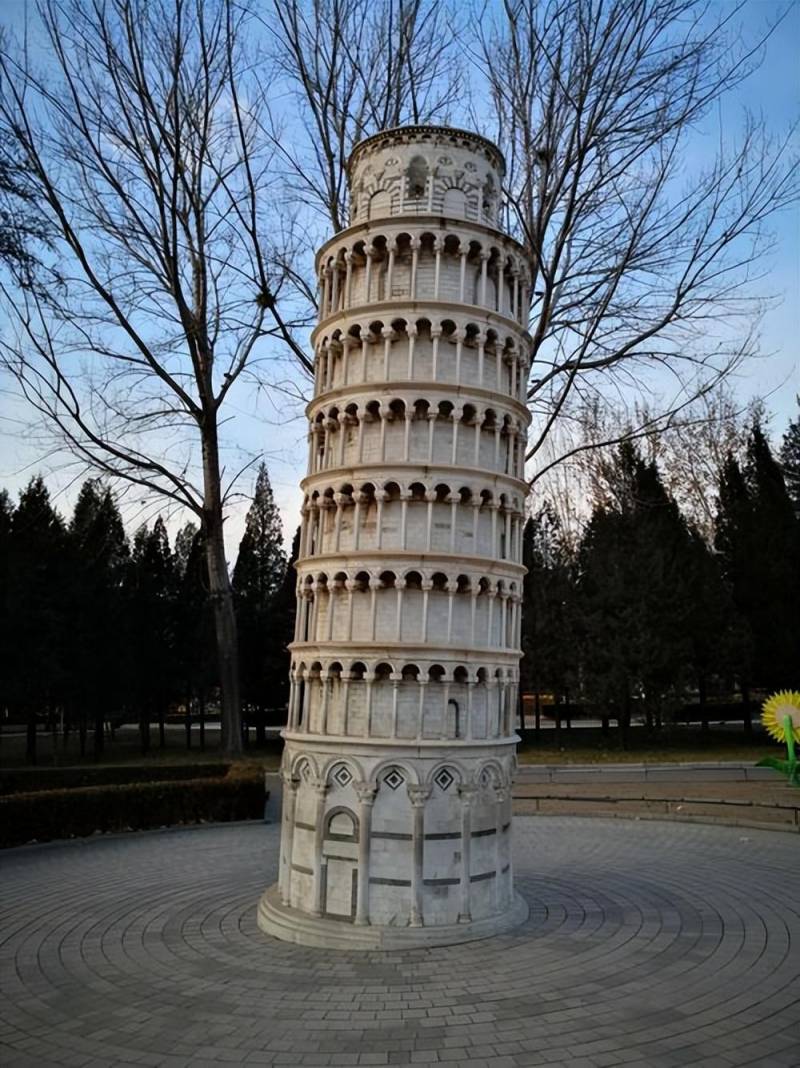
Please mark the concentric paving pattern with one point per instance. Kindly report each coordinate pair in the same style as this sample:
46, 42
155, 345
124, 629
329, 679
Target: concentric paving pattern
647, 944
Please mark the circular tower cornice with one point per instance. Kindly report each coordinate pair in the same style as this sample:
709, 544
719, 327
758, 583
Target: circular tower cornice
436, 134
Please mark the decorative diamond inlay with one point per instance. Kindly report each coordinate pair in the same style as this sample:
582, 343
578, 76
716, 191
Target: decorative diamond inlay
484, 777
393, 779
342, 776
443, 779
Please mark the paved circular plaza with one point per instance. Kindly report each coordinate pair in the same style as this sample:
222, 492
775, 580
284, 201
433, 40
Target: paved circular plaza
652, 944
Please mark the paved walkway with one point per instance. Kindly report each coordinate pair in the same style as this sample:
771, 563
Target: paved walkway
648, 944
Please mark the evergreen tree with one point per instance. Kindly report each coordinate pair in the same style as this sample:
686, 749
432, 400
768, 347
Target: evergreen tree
37, 606
99, 558
257, 577
790, 461
261, 561
184, 541
197, 662
152, 591
757, 538
6, 522
634, 595
548, 622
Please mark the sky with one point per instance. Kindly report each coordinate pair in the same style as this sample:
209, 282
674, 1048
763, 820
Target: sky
272, 427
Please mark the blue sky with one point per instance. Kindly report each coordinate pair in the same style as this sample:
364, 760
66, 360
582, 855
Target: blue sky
274, 427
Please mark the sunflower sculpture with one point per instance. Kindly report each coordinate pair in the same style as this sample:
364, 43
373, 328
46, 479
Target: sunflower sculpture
780, 716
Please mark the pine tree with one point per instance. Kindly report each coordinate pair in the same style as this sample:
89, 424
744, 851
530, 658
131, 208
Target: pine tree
37, 606
261, 561
257, 577
757, 539
635, 600
152, 591
790, 461
548, 624
184, 541
196, 658
99, 557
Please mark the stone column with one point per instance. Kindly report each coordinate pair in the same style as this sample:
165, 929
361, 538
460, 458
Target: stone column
368, 274
350, 585
387, 334
324, 681
345, 678
320, 790
463, 275
331, 602
427, 586
411, 331
500, 885
430, 497
491, 594
326, 287
467, 795
421, 684
485, 257
339, 500
414, 262
390, 270
359, 498
374, 586
369, 679
437, 248
436, 333
454, 500
365, 792
451, 592
380, 497
417, 795
405, 497
459, 336
432, 416
290, 785
399, 585
348, 278
396, 680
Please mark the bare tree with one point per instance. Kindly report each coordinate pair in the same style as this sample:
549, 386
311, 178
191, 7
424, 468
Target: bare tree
141, 147
642, 264
690, 452
352, 68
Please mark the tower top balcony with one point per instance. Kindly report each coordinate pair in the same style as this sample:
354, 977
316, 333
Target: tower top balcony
426, 170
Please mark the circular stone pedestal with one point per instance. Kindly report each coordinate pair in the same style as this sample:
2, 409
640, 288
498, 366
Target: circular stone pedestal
290, 925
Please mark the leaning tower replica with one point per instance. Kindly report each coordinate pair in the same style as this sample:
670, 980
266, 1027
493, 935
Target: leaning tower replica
400, 742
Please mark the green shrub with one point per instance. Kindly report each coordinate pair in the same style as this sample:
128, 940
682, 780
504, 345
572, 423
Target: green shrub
33, 780
81, 811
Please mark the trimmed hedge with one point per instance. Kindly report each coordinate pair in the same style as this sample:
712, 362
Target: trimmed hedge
82, 811
34, 780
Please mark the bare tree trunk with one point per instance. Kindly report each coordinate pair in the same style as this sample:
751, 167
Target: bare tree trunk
221, 596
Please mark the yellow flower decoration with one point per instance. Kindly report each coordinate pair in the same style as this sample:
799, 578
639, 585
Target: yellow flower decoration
776, 708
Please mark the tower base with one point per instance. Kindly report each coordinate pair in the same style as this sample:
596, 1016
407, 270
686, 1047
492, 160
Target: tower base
292, 925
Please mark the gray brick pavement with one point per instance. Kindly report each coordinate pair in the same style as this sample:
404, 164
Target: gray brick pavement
652, 945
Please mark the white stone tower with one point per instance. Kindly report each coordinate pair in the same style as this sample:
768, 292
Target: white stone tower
400, 743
